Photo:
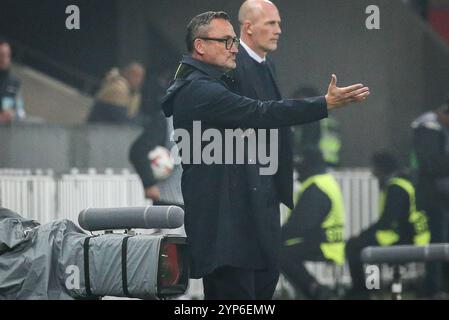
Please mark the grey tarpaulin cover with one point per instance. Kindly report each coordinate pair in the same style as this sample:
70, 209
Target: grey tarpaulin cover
36, 261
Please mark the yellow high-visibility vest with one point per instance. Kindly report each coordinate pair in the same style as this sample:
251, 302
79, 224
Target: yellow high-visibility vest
333, 225
418, 219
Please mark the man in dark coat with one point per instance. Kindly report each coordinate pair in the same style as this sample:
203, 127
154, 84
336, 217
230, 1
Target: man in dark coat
222, 205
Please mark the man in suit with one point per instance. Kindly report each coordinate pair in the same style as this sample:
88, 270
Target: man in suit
255, 78
260, 29
224, 203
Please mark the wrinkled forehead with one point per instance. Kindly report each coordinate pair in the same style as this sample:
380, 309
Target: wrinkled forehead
268, 12
220, 28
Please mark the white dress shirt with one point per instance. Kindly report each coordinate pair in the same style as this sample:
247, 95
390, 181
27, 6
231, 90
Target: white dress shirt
251, 52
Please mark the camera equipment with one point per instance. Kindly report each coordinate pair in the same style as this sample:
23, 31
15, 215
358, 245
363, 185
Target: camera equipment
157, 217
406, 253
401, 254
58, 260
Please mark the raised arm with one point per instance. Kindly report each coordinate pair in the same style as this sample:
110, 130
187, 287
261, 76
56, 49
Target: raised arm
211, 101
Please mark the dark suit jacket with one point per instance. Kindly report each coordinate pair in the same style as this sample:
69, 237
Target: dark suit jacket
265, 215
221, 202
247, 84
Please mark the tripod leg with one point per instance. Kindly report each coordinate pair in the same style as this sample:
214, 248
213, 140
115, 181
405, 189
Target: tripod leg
396, 286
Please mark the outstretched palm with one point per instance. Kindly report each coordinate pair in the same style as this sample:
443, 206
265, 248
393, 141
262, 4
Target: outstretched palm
338, 97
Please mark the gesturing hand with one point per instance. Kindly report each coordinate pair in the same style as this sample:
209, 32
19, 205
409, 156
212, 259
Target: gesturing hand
338, 97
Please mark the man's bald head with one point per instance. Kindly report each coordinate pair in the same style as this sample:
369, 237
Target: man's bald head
260, 25
251, 10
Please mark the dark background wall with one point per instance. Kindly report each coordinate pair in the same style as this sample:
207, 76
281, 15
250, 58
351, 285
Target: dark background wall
405, 64
41, 25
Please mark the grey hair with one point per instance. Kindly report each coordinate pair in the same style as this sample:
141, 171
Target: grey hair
199, 25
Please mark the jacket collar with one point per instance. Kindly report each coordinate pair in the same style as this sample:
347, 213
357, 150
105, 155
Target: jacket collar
209, 69
251, 52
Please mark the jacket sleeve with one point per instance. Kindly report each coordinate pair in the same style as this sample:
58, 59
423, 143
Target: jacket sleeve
138, 156
397, 207
432, 161
210, 101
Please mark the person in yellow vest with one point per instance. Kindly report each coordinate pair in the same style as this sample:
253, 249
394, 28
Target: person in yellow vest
314, 229
400, 221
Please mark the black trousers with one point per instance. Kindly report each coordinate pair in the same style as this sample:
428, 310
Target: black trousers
437, 273
232, 283
354, 247
293, 260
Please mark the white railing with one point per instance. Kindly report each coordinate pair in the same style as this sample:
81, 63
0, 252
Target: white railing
45, 197
78, 191
360, 194
32, 195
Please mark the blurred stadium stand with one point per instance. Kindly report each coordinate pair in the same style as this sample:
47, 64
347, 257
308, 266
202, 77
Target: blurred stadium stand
48, 100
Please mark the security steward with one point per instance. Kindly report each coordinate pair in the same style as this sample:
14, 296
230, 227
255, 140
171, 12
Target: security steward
314, 230
400, 222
